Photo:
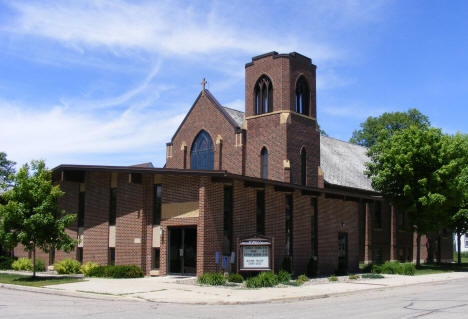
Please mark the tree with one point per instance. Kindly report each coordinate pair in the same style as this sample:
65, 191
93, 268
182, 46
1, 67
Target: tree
6, 171
386, 125
404, 169
454, 175
31, 216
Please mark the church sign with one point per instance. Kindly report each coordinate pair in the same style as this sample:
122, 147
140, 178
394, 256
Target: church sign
256, 254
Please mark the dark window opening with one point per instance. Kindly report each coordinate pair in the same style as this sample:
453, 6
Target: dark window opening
261, 212
79, 254
289, 225
113, 206
314, 224
378, 215
227, 238
303, 167
81, 209
302, 96
264, 163
202, 152
111, 256
74, 176
137, 178
156, 258
157, 201
263, 95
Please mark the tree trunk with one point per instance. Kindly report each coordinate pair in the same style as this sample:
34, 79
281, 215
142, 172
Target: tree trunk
34, 261
459, 247
418, 249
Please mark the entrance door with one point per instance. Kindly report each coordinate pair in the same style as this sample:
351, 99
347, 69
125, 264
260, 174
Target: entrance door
183, 250
342, 253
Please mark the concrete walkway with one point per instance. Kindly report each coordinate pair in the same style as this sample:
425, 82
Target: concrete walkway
173, 289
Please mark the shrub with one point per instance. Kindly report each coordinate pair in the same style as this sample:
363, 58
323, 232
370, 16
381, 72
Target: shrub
286, 264
372, 276
409, 269
302, 279
353, 277
284, 277
212, 279
264, 279
67, 266
121, 271
87, 268
395, 267
26, 264
332, 278
235, 278
5, 262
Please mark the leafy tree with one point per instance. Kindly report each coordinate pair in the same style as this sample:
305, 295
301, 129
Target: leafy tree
6, 171
454, 175
386, 125
404, 169
31, 216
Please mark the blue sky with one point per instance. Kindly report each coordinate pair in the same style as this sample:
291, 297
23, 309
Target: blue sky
108, 82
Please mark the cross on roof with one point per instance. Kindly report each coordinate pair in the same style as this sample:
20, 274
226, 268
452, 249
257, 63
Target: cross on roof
203, 82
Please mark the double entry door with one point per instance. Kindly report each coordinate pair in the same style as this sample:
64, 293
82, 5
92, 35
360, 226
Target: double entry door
183, 250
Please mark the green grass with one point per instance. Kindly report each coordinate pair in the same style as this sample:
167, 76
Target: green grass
23, 280
426, 269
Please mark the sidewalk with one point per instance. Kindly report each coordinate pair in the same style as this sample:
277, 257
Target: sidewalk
173, 289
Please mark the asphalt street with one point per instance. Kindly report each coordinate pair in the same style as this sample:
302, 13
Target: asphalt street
437, 300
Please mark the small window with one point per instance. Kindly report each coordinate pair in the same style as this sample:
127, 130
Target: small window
156, 258
261, 212
264, 163
227, 240
263, 95
79, 254
303, 167
157, 200
111, 256
136, 178
113, 206
81, 209
378, 215
289, 225
302, 96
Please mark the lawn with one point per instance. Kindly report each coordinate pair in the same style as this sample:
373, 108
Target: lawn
426, 269
34, 282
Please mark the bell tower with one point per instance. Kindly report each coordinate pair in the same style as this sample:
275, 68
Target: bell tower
283, 140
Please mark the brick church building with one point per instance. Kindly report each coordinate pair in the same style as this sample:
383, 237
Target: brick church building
231, 175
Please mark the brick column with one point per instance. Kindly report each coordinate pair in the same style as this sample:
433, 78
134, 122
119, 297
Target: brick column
368, 236
393, 234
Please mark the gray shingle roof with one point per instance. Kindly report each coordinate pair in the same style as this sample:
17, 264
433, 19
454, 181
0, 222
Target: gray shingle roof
236, 115
343, 163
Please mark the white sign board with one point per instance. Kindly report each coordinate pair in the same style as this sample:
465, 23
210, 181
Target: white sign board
255, 257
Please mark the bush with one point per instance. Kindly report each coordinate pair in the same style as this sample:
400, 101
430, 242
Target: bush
212, 279
284, 277
395, 267
5, 262
372, 276
67, 266
235, 278
264, 279
121, 271
302, 279
332, 278
87, 268
353, 277
26, 264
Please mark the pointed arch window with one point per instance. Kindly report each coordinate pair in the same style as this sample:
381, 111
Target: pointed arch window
264, 163
202, 152
263, 95
303, 167
302, 96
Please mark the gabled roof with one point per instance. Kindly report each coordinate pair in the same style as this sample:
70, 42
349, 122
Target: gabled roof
215, 102
343, 163
237, 116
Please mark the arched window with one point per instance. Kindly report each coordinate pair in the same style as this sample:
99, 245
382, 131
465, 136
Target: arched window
263, 95
264, 163
201, 154
302, 96
303, 167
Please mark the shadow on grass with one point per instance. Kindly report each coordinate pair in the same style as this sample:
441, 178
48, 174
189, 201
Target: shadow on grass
436, 268
37, 281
